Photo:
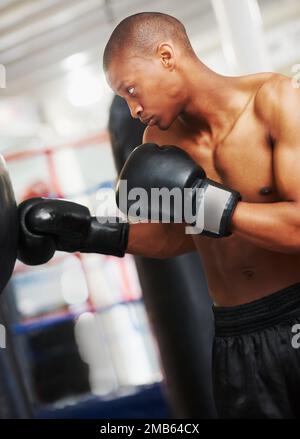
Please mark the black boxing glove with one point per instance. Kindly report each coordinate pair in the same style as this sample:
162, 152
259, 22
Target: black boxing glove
33, 249
47, 225
168, 167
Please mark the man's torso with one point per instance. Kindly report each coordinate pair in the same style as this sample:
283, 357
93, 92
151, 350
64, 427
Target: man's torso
238, 271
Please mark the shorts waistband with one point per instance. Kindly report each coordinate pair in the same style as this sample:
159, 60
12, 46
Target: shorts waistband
276, 308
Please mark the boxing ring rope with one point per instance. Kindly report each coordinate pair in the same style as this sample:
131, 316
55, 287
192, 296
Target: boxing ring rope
125, 295
49, 152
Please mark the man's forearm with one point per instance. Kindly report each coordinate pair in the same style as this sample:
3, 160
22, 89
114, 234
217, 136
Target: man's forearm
274, 226
159, 241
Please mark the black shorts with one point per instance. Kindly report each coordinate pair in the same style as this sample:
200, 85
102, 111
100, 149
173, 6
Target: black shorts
256, 357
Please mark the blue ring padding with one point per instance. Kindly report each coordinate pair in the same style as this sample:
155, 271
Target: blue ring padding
24, 328
148, 402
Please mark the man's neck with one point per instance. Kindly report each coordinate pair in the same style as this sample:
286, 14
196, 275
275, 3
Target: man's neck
214, 102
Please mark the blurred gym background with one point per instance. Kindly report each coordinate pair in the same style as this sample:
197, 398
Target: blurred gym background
79, 340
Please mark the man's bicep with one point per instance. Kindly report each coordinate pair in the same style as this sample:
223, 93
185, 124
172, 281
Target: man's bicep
287, 170
285, 128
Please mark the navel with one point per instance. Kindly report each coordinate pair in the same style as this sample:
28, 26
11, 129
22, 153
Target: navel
249, 274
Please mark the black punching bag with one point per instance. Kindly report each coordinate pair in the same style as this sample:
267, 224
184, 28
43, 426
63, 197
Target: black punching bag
176, 300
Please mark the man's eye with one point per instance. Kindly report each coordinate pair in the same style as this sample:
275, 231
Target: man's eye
130, 90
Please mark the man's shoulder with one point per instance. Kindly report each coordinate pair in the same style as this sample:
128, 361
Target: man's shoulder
271, 96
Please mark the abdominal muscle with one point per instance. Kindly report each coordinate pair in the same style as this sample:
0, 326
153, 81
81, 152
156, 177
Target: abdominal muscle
239, 272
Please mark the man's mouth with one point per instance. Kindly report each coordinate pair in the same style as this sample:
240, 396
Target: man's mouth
150, 121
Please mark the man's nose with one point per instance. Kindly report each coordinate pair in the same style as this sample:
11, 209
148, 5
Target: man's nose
135, 110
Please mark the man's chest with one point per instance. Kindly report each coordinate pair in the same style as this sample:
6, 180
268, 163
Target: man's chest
243, 162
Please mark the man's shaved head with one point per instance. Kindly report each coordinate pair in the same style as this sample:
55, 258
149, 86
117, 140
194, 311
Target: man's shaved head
139, 35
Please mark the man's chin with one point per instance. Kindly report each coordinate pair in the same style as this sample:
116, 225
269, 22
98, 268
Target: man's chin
163, 126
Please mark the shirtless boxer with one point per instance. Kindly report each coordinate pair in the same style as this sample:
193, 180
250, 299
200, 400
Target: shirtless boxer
244, 133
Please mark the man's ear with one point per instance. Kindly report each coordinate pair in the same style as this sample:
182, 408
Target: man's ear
166, 54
